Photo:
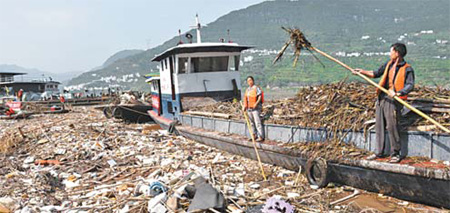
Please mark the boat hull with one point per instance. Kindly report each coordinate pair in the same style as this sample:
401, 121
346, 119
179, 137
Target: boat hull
134, 113
430, 191
402, 181
16, 116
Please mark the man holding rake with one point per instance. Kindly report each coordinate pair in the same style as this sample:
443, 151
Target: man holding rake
397, 77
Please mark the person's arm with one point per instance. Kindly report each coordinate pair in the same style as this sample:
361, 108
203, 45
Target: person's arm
258, 93
409, 82
258, 100
371, 74
367, 73
245, 106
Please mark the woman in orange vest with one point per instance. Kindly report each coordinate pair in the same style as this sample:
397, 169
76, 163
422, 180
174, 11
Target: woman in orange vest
62, 99
20, 95
253, 100
397, 77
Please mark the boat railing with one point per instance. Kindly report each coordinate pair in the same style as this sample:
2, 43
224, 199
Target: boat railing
415, 143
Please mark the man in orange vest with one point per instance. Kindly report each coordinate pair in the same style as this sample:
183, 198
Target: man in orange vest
397, 77
253, 100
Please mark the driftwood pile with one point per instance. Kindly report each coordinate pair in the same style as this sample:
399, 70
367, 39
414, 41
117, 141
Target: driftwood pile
342, 106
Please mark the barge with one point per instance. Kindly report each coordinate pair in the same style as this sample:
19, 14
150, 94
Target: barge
202, 73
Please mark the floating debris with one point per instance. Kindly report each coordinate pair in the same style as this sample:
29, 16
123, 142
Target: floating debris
81, 161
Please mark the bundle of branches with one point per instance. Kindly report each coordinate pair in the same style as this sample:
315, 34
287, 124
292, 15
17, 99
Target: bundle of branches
334, 106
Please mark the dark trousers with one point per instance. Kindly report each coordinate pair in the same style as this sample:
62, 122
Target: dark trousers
387, 115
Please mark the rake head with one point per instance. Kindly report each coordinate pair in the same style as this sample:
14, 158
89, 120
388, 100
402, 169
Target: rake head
299, 41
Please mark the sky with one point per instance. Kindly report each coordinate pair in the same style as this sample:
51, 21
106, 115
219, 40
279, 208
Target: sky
77, 35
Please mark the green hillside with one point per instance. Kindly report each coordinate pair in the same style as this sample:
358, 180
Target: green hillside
357, 32
120, 55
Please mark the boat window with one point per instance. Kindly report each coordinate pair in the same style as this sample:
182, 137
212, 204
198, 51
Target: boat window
170, 107
165, 63
6, 78
182, 65
234, 63
209, 64
162, 65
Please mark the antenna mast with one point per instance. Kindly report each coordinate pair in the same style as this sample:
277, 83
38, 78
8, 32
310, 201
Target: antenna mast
199, 38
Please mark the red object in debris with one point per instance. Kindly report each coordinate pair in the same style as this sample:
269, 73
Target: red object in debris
62, 99
52, 108
47, 162
15, 105
10, 111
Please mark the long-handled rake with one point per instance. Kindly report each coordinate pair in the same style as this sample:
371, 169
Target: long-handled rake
298, 39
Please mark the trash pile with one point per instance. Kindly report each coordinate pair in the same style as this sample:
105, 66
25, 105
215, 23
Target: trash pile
133, 97
83, 162
343, 106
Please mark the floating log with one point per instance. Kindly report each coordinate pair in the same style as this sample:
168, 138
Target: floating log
422, 128
434, 109
287, 116
209, 114
437, 101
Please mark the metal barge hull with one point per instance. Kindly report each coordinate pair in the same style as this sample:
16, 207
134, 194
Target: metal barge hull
423, 185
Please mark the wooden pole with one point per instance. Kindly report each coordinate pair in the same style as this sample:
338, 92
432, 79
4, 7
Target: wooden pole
250, 130
384, 90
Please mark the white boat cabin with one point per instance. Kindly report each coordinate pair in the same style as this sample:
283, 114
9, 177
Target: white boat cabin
195, 70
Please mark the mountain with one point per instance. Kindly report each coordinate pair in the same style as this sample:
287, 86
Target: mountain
117, 56
120, 55
358, 32
33, 74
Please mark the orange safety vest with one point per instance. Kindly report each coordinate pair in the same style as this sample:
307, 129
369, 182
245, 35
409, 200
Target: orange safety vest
399, 81
250, 97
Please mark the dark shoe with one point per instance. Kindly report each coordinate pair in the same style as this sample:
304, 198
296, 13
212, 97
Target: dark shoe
260, 140
373, 157
395, 159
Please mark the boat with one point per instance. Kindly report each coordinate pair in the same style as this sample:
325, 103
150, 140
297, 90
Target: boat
134, 113
19, 115
181, 80
75, 101
56, 110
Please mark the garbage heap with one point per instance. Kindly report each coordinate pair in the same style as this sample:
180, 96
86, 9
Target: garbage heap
82, 162
343, 106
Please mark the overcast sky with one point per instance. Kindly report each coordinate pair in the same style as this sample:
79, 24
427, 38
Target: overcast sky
77, 35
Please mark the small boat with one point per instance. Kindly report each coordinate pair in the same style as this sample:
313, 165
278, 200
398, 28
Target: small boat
134, 113
208, 72
56, 110
75, 101
20, 115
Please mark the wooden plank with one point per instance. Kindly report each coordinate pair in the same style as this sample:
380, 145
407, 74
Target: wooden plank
209, 114
443, 101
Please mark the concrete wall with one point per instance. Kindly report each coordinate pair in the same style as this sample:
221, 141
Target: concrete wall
414, 143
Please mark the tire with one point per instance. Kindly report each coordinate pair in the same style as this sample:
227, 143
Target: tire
107, 112
317, 172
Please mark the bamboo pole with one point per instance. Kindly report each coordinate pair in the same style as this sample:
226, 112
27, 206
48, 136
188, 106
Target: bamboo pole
384, 90
250, 130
